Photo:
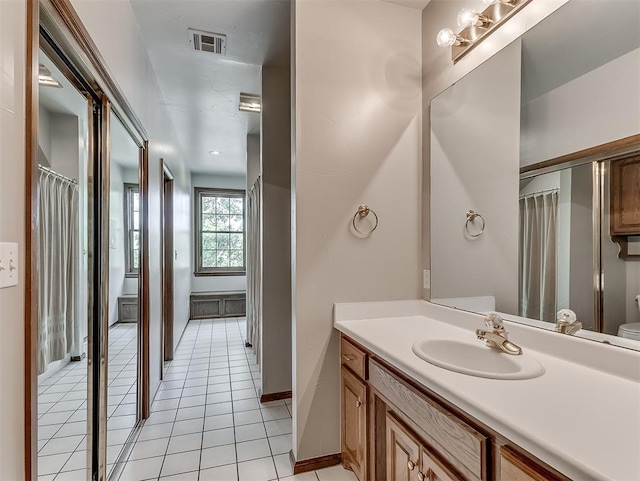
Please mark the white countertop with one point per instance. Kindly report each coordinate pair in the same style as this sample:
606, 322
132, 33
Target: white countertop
582, 416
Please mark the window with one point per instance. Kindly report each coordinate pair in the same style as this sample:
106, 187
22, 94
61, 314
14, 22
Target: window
220, 233
132, 223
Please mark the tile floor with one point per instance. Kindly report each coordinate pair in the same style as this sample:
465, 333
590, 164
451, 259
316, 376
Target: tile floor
62, 410
207, 422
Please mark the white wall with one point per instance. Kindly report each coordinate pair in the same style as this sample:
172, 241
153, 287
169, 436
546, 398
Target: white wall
117, 233
581, 261
276, 231
439, 72
471, 171
216, 283
598, 107
254, 165
44, 131
357, 104
118, 283
12, 226
127, 60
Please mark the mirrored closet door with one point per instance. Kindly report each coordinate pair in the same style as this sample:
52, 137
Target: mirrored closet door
88, 264
63, 281
124, 265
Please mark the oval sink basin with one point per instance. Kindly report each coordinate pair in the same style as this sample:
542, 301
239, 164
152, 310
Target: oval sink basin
477, 359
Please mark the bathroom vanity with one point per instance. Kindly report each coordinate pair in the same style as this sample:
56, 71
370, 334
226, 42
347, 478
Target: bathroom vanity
407, 419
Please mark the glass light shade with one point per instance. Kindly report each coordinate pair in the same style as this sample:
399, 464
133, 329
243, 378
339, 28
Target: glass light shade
466, 17
446, 37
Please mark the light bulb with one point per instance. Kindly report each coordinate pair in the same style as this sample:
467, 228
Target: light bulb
446, 37
466, 17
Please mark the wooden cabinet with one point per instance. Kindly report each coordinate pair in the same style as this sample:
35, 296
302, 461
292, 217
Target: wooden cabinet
394, 429
514, 467
354, 410
403, 452
625, 205
433, 470
409, 460
625, 196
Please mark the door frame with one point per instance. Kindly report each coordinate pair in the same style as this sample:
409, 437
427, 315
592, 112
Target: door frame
62, 25
166, 271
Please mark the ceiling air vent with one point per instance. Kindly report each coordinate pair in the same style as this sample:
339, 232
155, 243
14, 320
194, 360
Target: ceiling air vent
214, 43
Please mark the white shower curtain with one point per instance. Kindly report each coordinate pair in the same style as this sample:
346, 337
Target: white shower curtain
58, 254
538, 255
254, 266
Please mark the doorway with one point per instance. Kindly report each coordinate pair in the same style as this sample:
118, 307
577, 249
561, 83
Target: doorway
167, 266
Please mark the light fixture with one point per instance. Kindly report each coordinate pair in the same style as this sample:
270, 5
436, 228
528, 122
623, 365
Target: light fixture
46, 79
214, 152
493, 2
250, 103
446, 38
468, 17
476, 26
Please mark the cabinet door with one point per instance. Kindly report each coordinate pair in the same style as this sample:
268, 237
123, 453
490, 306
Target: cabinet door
403, 452
625, 200
433, 470
354, 424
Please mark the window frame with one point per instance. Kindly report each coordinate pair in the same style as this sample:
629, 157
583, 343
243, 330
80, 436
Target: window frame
129, 190
199, 193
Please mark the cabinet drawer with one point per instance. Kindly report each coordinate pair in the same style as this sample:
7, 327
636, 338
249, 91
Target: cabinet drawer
354, 358
514, 467
455, 441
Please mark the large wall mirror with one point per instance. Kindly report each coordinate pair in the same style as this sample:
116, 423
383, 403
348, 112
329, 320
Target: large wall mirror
543, 142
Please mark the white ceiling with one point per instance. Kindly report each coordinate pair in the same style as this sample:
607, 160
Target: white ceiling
201, 90
578, 38
417, 4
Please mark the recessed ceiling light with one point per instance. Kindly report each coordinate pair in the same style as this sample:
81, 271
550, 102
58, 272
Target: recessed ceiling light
214, 152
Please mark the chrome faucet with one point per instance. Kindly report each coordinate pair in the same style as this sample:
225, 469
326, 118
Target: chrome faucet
496, 336
566, 322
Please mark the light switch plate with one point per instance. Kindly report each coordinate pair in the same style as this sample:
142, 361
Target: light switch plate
8, 264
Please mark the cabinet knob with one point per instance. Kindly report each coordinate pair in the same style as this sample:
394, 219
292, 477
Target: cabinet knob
421, 476
348, 358
358, 403
411, 465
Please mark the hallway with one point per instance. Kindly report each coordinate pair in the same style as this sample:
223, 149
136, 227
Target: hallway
207, 422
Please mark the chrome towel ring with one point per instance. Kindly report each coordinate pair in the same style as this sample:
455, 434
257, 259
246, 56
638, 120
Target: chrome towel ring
471, 217
362, 212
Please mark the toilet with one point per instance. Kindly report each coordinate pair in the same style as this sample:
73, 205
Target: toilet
632, 329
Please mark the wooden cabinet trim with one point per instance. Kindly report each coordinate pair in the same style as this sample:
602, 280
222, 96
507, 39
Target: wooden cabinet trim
625, 198
514, 467
399, 435
354, 358
458, 443
354, 458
